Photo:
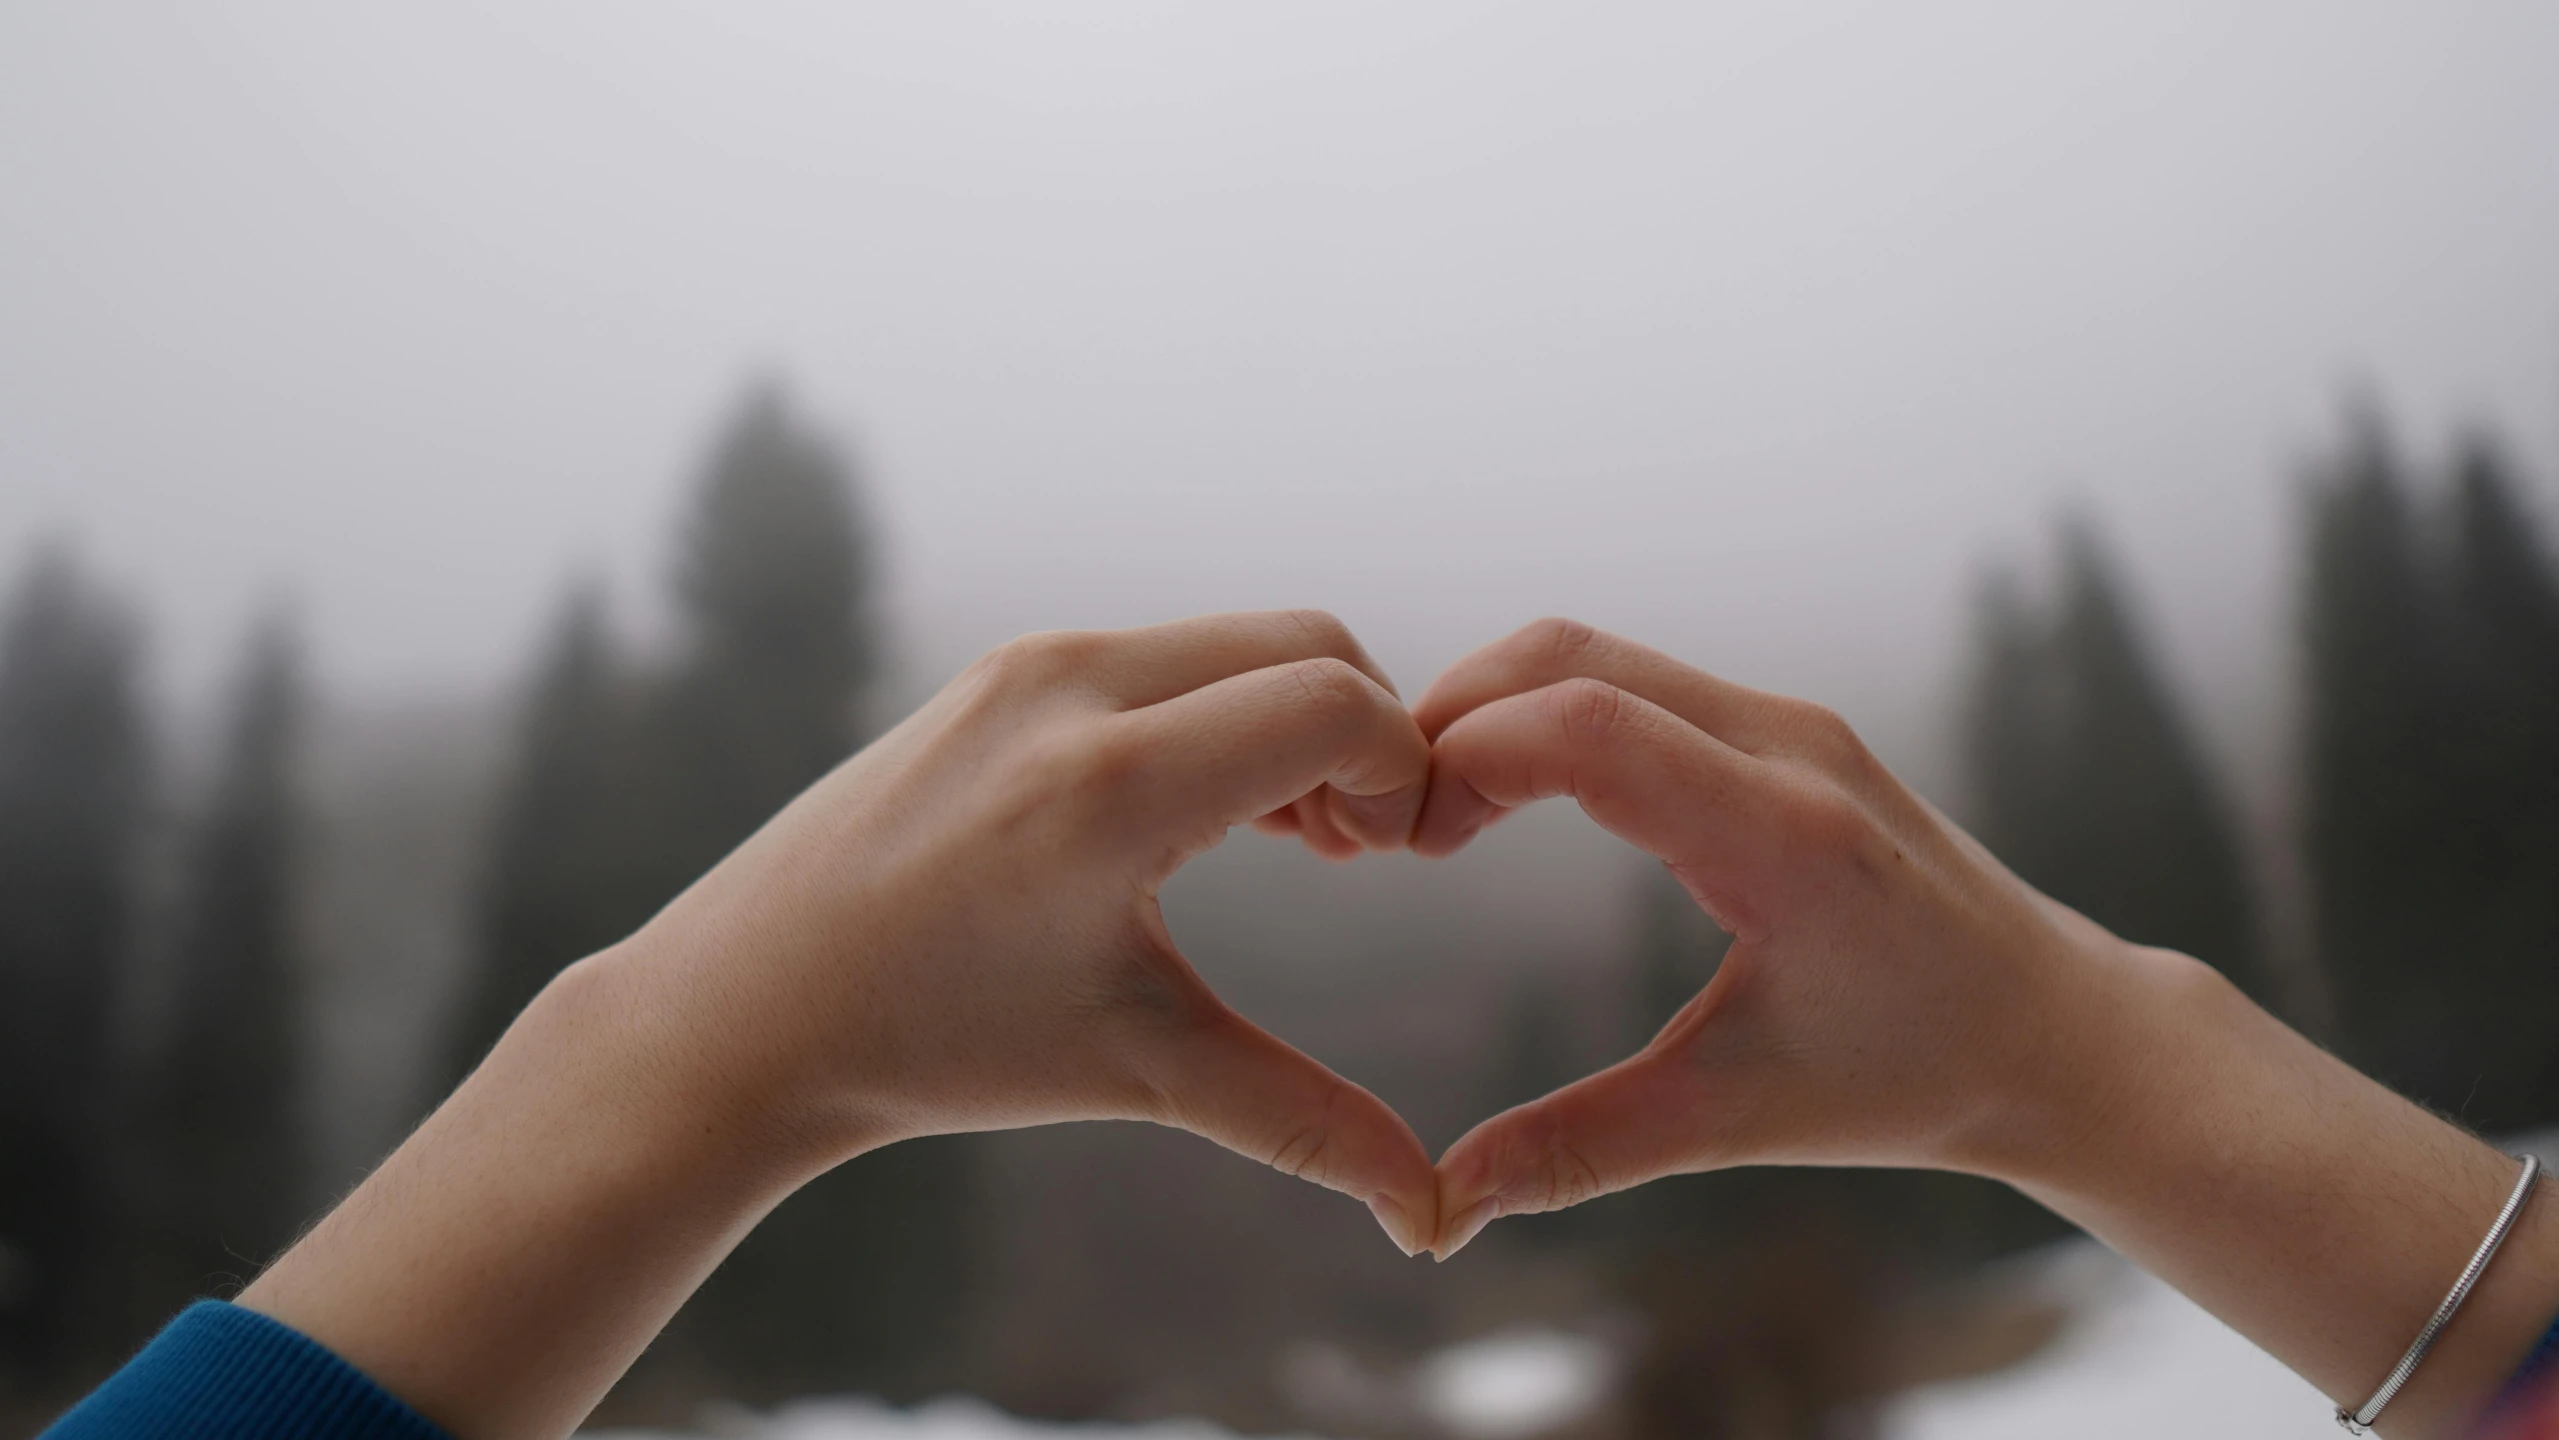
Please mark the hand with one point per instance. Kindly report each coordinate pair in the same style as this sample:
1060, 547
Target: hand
955, 930
958, 929
1892, 996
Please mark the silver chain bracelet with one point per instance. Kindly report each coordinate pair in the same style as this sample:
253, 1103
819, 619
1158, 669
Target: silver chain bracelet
2357, 1422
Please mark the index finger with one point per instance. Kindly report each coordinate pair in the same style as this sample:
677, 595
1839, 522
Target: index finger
1646, 775
1150, 664
1252, 743
1552, 651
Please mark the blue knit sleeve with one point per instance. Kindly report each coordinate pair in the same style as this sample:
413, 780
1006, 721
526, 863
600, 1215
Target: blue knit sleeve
219, 1372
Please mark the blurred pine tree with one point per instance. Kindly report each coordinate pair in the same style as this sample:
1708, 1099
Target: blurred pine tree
2376, 679
859, 1281
2432, 782
2507, 602
2088, 782
73, 769
567, 874
627, 785
222, 1123
771, 585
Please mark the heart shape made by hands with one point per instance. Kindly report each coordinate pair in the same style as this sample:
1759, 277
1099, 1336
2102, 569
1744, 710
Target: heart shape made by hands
1855, 1019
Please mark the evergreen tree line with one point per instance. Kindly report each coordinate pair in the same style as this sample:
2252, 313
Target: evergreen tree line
151, 1129
2427, 806
150, 1140
2426, 796
152, 1137
633, 778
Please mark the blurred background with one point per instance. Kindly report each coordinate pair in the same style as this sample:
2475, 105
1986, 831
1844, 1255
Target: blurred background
462, 466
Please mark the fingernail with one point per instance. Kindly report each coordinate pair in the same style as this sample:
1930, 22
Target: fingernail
1466, 1225
1397, 1225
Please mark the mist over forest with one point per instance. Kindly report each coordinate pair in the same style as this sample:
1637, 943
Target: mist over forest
461, 470
242, 965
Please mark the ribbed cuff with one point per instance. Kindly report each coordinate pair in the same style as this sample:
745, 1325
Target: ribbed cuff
219, 1372
2528, 1408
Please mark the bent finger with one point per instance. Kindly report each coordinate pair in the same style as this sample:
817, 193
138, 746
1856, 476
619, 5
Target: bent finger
1640, 771
1252, 743
1153, 663
1551, 651
1325, 826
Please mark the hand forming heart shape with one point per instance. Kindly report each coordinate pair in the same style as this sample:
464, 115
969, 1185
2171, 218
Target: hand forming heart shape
1868, 1011
994, 861
957, 929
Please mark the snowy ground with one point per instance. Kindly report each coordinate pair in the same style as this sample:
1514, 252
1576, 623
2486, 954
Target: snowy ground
2140, 1360
953, 1419
2137, 1360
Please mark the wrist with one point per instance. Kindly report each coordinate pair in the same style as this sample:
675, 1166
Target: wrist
2120, 1041
2307, 1206
675, 1046
505, 1264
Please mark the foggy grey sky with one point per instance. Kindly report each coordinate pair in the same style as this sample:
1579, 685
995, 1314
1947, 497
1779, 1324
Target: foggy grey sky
1753, 334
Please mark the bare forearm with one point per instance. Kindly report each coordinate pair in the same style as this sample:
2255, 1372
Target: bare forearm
504, 1267
2310, 1208
1893, 996
956, 929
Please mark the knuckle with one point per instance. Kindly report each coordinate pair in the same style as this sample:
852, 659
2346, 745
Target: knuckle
1012, 662
1825, 736
1322, 630
1308, 1151
1045, 658
1302, 1153
1824, 815
1570, 1178
1836, 827
1589, 711
1564, 644
1039, 778
1071, 774
1101, 763
1331, 684
1552, 1173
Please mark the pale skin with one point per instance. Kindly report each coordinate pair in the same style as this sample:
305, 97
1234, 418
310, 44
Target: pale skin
957, 930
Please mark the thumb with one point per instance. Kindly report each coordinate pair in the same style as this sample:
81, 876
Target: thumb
1231, 1081
1632, 1122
